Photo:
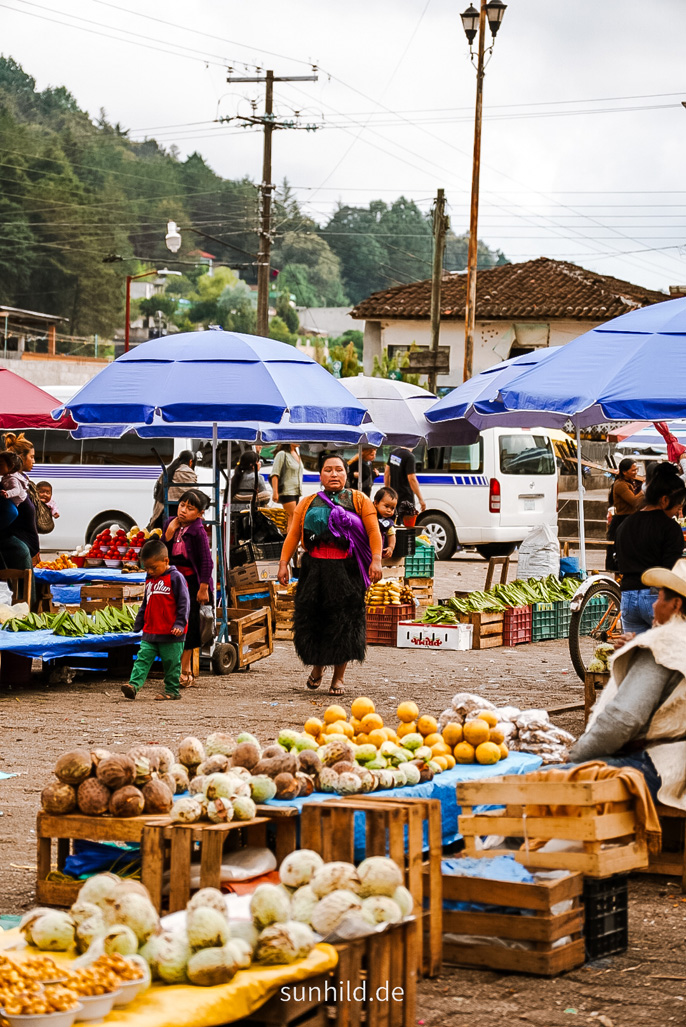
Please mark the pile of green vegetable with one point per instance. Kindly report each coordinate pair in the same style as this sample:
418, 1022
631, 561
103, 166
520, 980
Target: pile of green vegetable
107, 621
503, 597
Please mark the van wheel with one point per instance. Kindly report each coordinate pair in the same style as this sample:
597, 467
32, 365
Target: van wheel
440, 530
106, 521
496, 549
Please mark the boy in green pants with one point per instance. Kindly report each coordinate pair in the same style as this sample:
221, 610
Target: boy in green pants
163, 619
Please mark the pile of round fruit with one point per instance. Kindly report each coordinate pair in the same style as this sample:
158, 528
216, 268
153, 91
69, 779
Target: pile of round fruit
478, 741
114, 543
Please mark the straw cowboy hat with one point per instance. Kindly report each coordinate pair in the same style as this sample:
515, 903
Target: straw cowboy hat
660, 577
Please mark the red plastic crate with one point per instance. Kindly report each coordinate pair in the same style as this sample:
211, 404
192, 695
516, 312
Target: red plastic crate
382, 623
517, 625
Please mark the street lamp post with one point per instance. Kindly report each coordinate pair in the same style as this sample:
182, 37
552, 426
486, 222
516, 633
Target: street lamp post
474, 22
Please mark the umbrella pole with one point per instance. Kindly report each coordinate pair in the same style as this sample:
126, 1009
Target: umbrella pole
580, 502
218, 542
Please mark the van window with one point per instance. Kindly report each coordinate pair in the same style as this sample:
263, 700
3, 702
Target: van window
526, 454
456, 459
57, 447
129, 450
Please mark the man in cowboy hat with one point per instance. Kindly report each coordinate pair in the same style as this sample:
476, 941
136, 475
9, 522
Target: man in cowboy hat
640, 717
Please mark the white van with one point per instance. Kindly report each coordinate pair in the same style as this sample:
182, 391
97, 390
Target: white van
488, 495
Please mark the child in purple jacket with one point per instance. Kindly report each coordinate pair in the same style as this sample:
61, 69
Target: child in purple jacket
189, 551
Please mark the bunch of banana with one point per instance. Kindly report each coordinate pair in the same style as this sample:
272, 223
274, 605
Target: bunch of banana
389, 593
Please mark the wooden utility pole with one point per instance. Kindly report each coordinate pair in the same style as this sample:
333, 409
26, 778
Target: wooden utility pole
440, 227
470, 303
269, 124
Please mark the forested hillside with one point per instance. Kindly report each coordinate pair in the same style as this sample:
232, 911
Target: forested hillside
75, 190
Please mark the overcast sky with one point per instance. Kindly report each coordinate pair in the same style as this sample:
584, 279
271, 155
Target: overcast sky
584, 140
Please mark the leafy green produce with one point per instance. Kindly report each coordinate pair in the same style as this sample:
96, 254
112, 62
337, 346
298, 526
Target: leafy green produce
517, 593
438, 615
102, 622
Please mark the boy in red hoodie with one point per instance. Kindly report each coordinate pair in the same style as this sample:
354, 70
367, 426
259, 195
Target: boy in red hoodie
163, 619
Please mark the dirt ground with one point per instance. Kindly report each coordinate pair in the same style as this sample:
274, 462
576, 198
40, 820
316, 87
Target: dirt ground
644, 987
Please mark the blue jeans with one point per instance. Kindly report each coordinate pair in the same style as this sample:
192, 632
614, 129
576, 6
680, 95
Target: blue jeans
639, 760
637, 609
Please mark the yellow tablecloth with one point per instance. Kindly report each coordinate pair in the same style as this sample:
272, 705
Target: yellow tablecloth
184, 1005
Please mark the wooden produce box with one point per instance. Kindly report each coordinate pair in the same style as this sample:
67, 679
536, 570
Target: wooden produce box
97, 597
251, 633
422, 589
593, 683
538, 925
284, 616
591, 813
395, 828
374, 983
671, 860
488, 629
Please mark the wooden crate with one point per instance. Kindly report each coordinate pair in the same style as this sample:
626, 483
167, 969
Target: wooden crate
671, 860
488, 629
374, 983
284, 616
251, 633
590, 812
422, 589
593, 683
73, 826
170, 847
395, 828
539, 925
255, 597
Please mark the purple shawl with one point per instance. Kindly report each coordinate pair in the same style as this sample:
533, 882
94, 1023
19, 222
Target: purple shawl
348, 526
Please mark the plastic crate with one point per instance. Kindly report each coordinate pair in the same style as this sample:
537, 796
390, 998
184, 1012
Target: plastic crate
382, 623
517, 625
606, 906
543, 622
405, 542
268, 550
421, 564
563, 615
592, 612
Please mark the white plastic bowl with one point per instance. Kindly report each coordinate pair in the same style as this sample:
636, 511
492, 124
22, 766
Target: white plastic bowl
46, 1020
95, 1007
112, 563
129, 990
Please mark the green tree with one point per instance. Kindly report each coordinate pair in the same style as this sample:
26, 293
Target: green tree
308, 257
348, 358
287, 313
278, 330
351, 335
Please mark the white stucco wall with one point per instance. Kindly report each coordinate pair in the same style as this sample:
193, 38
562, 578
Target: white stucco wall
493, 340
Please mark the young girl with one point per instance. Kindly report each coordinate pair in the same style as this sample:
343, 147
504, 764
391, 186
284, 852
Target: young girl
11, 484
386, 501
189, 552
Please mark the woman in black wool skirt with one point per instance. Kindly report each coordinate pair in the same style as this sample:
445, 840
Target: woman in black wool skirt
339, 531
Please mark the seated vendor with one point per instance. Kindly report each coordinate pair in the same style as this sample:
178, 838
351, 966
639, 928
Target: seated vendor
640, 718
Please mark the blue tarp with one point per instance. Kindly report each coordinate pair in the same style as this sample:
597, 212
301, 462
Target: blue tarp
46, 646
441, 787
82, 575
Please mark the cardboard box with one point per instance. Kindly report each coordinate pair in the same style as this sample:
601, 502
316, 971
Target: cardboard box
241, 577
434, 636
267, 570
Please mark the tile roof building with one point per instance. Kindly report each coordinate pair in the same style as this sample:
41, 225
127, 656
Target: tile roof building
519, 307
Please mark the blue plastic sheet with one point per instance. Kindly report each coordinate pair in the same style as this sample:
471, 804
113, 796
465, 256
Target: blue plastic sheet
82, 575
66, 595
46, 646
441, 787
495, 868
90, 858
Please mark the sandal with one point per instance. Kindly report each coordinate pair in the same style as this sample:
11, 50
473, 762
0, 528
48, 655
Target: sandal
313, 683
186, 680
129, 691
336, 688
163, 696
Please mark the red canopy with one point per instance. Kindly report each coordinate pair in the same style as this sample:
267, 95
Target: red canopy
24, 405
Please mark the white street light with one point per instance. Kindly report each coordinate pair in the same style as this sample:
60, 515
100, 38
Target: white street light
173, 237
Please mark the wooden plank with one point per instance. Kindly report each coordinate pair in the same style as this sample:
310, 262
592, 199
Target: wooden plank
396, 977
180, 869
311, 821
542, 895
496, 791
544, 964
94, 829
342, 828
524, 928
378, 974
63, 847
409, 985
616, 860
57, 893
346, 971
152, 863
211, 848
43, 857
583, 829
396, 837
376, 834
287, 838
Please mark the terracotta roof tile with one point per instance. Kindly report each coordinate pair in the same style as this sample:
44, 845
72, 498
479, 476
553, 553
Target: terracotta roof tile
534, 290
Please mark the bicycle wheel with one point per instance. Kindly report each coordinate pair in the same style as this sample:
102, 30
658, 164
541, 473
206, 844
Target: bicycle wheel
597, 620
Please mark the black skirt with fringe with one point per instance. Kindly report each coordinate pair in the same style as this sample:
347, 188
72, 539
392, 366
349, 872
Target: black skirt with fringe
330, 623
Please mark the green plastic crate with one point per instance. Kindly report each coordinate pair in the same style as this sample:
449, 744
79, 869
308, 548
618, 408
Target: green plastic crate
421, 564
543, 622
592, 613
563, 617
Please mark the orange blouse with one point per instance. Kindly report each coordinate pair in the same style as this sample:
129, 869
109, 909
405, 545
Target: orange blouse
363, 506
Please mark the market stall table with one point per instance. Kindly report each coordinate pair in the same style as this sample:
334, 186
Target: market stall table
84, 575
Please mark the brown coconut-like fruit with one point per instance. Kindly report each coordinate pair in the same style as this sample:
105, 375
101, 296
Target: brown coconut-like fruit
74, 767
116, 772
97, 755
309, 762
158, 797
180, 775
127, 802
214, 765
170, 781
273, 750
345, 767
337, 752
93, 797
286, 763
246, 755
305, 784
58, 798
287, 786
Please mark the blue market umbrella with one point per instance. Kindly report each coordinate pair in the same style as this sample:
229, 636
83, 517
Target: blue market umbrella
214, 376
